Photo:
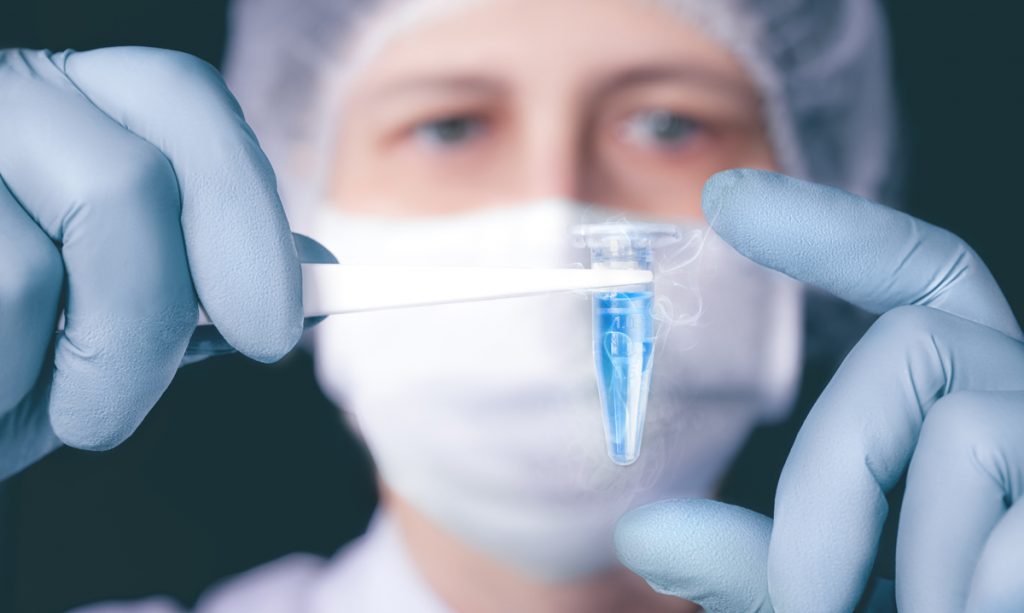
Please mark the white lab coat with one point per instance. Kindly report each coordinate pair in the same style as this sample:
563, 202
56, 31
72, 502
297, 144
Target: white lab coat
373, 574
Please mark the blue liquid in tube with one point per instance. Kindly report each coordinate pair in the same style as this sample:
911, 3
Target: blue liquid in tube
623, 345
624, 329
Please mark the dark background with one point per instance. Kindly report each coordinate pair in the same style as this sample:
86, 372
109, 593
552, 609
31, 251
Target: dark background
241, 463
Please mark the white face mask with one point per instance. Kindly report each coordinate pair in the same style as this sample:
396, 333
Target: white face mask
485, 416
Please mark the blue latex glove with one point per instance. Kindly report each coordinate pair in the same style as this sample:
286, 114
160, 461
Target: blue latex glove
936, 385
130, 186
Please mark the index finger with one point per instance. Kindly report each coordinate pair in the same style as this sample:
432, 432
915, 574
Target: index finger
868, 254
239, 247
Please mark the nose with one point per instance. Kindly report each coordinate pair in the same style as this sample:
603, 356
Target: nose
554, 152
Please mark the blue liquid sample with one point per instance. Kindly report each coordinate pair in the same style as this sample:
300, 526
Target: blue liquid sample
623, 346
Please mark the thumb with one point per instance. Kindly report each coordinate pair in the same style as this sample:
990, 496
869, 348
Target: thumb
712, 553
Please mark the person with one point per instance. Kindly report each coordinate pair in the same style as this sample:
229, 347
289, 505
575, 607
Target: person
470, 132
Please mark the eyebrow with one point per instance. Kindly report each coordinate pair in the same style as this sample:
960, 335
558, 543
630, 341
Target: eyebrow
633, 76
430, 84
656, 73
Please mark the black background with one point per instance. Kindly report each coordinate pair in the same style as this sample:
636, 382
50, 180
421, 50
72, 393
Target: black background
241, 463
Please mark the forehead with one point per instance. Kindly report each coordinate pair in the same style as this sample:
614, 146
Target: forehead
530, 39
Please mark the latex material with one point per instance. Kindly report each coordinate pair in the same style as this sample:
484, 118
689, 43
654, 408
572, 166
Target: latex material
938, 382
130, 179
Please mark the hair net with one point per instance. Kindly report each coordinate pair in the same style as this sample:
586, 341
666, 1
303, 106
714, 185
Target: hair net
822, 67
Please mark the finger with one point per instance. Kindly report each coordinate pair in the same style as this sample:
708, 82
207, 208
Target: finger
30, 285
857, 440
997, 585
873, 256
207, 341
25, 432
112, 202
712, 553
31, 276
967, 468
240, 251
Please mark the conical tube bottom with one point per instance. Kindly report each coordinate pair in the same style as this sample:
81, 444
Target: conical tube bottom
623, 347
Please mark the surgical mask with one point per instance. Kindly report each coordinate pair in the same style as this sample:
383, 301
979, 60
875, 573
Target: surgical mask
485, 416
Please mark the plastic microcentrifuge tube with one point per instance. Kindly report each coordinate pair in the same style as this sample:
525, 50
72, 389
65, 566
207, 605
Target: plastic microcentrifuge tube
624, 329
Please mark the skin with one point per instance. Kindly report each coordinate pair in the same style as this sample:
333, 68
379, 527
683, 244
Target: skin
612, 102
540, 109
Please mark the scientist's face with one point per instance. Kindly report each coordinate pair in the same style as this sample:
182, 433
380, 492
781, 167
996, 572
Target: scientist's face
613, 102
484, 417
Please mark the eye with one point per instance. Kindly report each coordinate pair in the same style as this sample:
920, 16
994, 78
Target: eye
663, 129
449, 131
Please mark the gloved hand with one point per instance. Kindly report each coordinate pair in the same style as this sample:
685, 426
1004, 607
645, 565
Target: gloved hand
130, 185
936, 383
